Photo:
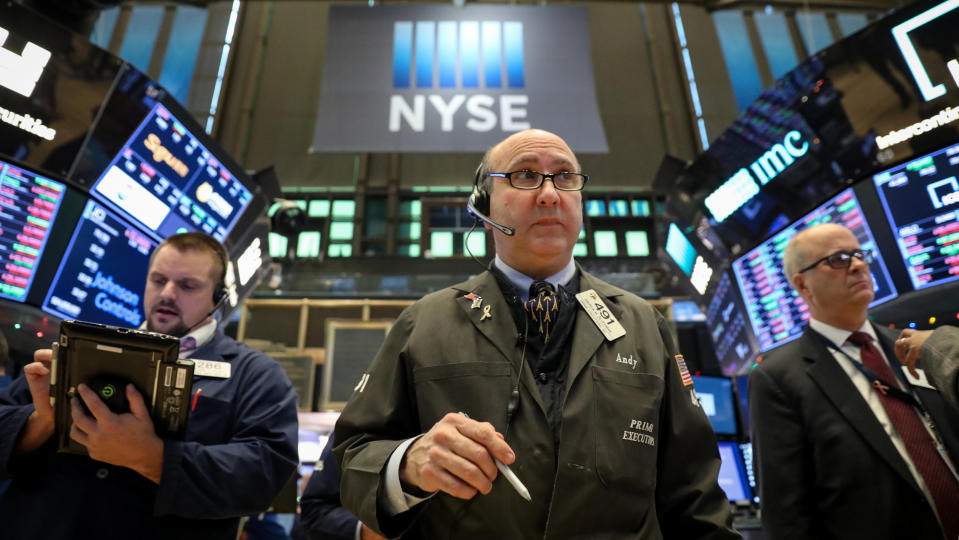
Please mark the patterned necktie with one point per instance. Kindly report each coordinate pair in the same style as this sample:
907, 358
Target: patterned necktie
935, 473
187, 344
542, 307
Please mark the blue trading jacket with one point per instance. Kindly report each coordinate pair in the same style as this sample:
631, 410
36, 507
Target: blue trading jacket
239, 451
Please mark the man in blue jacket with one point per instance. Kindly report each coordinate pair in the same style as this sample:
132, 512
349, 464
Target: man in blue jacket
239, 449
322, 516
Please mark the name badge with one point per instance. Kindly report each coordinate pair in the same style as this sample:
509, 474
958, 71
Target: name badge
920, 381
211, 368
601, 315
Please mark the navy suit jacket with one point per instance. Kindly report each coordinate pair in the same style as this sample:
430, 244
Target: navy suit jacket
322, 516
825, 466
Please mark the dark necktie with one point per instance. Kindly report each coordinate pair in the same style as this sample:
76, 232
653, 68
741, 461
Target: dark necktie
542, 307
939, 480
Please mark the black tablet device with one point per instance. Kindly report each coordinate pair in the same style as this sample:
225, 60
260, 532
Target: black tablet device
107, 358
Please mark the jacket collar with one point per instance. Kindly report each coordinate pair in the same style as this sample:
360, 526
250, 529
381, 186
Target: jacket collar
835, 384
219, 346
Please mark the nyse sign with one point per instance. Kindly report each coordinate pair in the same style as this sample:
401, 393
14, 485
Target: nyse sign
430, 78
465, 54
483, 112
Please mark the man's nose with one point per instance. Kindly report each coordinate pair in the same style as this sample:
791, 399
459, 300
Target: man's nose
168, 290
858, 265
547, 194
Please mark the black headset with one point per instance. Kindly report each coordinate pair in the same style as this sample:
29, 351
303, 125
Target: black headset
479, 205
220, 291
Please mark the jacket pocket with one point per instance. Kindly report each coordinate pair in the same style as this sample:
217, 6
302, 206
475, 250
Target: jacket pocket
480, 389
210, 421
626, 428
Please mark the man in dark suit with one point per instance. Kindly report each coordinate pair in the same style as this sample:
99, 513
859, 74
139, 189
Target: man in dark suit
843, 441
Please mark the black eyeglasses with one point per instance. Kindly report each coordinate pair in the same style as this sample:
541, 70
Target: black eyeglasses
563, 181
842, 259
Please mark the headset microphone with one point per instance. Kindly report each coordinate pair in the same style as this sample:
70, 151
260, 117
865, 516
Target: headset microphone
471, 208
219, 296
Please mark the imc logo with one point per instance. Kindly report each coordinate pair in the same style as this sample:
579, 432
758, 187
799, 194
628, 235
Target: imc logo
465, 55
739, 188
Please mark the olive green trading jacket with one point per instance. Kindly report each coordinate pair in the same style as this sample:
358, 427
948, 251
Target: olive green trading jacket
637, 456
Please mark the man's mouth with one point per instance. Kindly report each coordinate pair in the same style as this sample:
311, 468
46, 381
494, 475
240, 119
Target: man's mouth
548, 221
166, 311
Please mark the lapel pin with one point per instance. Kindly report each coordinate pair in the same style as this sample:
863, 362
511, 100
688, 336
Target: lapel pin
486, 313
477, 300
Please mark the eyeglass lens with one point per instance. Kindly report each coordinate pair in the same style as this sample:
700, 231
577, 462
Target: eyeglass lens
532, 179
843, 259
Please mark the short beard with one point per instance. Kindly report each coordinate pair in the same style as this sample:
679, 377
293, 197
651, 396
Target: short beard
178, 331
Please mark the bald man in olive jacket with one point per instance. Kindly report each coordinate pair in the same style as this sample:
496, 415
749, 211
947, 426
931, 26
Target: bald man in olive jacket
603, 429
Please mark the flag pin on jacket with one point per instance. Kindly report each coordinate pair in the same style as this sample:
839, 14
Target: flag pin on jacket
477, 300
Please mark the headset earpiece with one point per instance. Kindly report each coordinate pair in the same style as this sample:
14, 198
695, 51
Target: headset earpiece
219, 294
479, 205
480, 196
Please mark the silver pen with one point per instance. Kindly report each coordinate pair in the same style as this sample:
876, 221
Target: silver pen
512, 479
509, 474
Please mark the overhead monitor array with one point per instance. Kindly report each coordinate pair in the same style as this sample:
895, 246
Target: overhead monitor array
109, 167
806, 139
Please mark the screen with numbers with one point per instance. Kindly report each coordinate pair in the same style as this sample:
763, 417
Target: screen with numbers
28, 206
168, 182
776, 312
730, 331
921, 201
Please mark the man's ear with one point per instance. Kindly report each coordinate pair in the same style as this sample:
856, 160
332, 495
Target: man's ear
798, 282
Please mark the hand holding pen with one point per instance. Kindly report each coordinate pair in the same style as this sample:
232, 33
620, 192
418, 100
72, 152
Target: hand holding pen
458, 456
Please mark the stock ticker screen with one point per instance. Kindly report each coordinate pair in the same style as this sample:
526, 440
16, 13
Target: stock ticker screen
28, 206
921, 201
776, 312
731, 334
166, 180
102, 273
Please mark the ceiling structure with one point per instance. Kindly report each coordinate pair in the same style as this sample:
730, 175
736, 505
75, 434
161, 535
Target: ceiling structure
709, 5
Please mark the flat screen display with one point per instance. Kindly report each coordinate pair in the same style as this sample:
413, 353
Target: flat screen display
729, 329
52, 83
716, 398
879, 96
28, 206
732, 473
681, 250
776, 312
921, 201
166, 180
102, 273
